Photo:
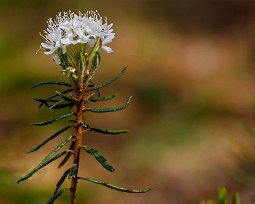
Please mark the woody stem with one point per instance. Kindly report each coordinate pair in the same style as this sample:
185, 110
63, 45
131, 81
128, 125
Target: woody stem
78, 142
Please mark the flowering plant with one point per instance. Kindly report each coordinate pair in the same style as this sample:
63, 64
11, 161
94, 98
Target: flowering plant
74, 42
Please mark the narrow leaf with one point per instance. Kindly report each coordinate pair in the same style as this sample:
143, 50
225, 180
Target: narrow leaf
105, 98
103, 110
94, 50
63, 105
59, 102
50, 138
110, 81
116, 187
54, 96
56, 195
45, 100
73, 171
63, 59
103, 131
53, 120
51, 83
41, 165
61, 180
95, 64
43, 103
67, 97
62, 144
85, 125
82, 61
49, 158
68, 155
100, 158
96, 60
112, 132
92, 84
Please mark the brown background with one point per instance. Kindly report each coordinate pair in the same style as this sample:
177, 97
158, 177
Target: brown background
191, 75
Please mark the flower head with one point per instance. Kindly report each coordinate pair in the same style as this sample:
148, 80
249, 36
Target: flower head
69, 29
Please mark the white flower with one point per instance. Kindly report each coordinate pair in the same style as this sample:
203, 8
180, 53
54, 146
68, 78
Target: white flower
56, 59
70, 29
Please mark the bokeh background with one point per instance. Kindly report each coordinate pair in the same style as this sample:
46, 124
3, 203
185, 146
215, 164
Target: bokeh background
191, 74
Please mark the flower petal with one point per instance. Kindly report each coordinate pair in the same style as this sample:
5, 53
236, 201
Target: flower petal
107, 49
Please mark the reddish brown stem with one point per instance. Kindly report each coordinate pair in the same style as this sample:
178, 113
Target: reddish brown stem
78, 142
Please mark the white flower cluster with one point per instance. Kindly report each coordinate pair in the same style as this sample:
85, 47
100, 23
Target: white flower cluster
70, 29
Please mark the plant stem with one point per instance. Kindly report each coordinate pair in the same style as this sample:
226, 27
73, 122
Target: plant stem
78, 141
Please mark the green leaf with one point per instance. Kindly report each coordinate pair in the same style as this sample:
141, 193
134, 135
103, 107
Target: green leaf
68, 155
95, 49
85, 125
54, 96
105, 98
100, 158
67, 97
103, 110
63, 105
50, 138
61, 180
60, 102
53, 120
103, 131
73, 171
49, 158
236, 199
63, 58
41, 165
91, 85
72, 120
222, 195
62, 144
45, 100
82, 61
56, 195
51, 83
118, 188
95, 63
111, 80
112, 132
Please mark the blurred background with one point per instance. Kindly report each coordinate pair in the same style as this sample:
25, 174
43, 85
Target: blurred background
191, 121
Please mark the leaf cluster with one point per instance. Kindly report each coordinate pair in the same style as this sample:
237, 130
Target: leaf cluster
76, 94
